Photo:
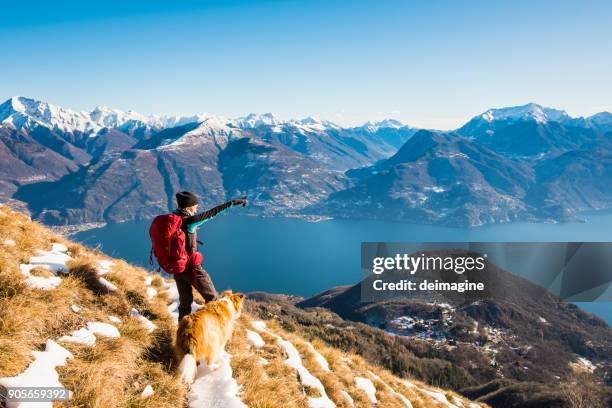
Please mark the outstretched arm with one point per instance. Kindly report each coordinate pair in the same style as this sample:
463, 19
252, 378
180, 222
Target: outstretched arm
196, 220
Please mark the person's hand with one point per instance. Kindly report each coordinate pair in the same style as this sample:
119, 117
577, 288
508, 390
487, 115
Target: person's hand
240, 201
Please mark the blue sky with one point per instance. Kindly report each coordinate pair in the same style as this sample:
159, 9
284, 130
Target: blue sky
427, 63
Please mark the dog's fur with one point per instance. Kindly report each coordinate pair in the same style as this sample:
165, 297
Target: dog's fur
202, 336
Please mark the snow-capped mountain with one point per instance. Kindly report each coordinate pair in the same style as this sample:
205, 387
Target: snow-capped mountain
383, 124
117, 166
21, 112
534, 131
530, 111
254, 120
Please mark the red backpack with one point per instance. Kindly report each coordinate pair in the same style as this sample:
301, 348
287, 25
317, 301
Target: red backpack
168, 243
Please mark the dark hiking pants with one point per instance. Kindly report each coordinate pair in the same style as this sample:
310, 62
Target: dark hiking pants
195, 277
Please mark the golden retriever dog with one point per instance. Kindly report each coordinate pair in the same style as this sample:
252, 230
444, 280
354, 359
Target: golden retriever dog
202, 335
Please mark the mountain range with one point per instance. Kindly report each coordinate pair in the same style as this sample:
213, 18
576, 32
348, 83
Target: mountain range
520, 163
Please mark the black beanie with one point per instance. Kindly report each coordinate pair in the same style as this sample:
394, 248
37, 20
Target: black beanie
186, 199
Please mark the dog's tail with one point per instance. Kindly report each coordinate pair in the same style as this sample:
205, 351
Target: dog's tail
187, 369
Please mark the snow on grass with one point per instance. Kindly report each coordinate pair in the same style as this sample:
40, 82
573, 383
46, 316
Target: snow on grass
348, 398
103, 329
438, 396
38, 282
321, 361
151, 292
149, 325
81, 336
147, 392
254, 339
586, 364
108, 285
367, 386
75, 308
295, 361
105, 266
40, 373
54, 261
9, 242
215, 388
405, 400
306, 378
115, 319
172, 293
173, 307
259, 325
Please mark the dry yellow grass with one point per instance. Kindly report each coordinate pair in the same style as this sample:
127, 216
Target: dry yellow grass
265, 386
344, 367
114, 371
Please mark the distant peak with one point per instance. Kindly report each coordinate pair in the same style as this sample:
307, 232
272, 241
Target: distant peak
529, 111
253, 120
310, 120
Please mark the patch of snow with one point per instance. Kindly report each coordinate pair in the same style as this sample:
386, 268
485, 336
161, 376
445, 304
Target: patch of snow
105, 266
367, 386
586, 364
115, 319
75, 308
172, 292
321, 361
259, 325
254, 339
438, 396
103, 329
81, 336
542, 320
263, 361
38, 282
148, 280
149, 325
41, 372
215, 388
306, 378
295, 361
173, 307
54, 260
9, 242
151, 292
57, 247
147, 392
108, 285
405, 400
348, 398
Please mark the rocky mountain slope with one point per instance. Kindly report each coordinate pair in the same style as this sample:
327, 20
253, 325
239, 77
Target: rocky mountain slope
436, 178
449, 179
520, 163
71, 316
517, 345
96, 166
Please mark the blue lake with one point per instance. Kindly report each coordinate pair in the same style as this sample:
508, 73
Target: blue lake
292, 256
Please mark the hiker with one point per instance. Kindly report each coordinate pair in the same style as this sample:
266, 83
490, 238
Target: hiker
175, 246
